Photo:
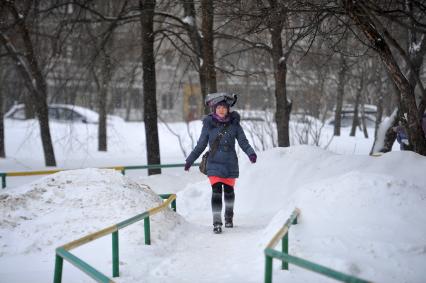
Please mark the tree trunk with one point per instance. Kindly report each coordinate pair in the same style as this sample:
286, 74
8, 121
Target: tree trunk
104, 49
30, 112
38, 86
197, 45
149, 84
102, 103
34, 80
379, 113
363, 122
408, 103
128, 106
355, 120
340, 94
129, 94
395, 100
283, 108
390, 138
379, 103
2, 143
43, 118
208, 65
416, 56
40, 97
319, 95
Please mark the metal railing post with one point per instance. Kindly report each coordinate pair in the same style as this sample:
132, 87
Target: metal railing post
115, 255
268, 269
284, 243
147, 229
3, 180
174, 205
59, 262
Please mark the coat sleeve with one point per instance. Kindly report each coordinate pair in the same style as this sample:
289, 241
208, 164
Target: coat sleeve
243, 142
201, 144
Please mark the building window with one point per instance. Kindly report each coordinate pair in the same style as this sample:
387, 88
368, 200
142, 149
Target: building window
167, 101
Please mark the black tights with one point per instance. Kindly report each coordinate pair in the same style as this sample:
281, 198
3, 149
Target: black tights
229, 196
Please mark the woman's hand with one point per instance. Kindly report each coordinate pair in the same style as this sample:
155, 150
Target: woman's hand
187, 166
253, 158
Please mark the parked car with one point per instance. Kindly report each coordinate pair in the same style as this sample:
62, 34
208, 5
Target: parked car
370, 112
61, 112
347, 119
255, 115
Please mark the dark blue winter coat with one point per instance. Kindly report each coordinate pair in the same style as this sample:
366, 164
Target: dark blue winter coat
224, 163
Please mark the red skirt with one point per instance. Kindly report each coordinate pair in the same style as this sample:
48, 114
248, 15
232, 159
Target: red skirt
227, 181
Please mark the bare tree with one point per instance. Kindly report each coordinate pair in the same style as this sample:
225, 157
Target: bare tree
378, 85
147, 9
279, 59
208, 66
22, 50
363, 118
363, 16
202, 46
343, 69
358, 96
2, 144
2, 98
284, 27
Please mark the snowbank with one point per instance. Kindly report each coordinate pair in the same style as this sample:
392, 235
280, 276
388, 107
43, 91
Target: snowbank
359, 214
71, 204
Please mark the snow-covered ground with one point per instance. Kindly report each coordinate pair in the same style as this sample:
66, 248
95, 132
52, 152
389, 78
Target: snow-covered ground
360, 215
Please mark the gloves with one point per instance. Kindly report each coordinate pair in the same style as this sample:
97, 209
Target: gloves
187, 166
253, 158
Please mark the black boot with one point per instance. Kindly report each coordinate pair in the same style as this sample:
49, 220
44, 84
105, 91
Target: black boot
217, 228
217, 203
229, 205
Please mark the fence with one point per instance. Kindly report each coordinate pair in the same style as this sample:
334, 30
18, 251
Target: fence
123, 170
285, 258
63, 251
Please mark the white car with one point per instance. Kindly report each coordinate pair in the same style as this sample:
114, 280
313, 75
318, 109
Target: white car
61, 112
347, 119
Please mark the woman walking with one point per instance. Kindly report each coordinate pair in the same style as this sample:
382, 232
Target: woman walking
220, 130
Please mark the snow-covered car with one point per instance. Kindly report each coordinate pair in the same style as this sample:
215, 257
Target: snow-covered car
269, 116
255, 115
346, 120
370, 112
61, 112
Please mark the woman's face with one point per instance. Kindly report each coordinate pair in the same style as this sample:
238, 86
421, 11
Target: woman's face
221, 111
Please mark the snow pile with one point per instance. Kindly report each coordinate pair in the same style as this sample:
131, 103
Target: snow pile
359, 214
280, 172
70, 204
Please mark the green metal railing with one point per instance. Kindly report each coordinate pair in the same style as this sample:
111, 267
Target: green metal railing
122, 169
63, 251
285, 258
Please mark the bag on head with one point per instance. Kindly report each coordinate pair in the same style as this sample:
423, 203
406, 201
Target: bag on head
214, 98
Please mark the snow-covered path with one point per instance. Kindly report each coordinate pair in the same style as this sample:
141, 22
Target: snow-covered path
201, 256
236, 255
